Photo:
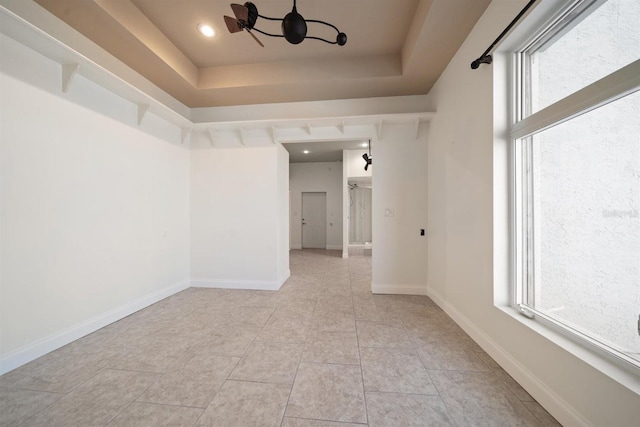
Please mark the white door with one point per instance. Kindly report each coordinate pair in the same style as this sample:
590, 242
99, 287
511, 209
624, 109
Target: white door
314, 220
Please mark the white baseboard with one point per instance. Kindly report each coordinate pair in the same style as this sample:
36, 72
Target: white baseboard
48, 344
293, 246
256, 285
553, 403
399, 289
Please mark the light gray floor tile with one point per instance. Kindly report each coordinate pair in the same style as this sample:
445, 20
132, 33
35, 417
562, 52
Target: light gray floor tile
296, 307
193, 383
427, 323
286, 329
271, 299
488, 360
328, 392
445, 339
334, 320
332, 303
246, 404
512, 385
406, 410
480, 398
59, 371
239, 316
18, 405
451, 360
366, 309
269, 362
300, 291
97, 401
382, 335
226, 341
151, 415
394, 371
331, 347
302, 340
544, 418
342, 291
159, 358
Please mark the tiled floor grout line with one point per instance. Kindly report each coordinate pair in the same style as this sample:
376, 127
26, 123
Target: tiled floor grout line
355, 325
284, 413
330, 421
417, 352
43, 409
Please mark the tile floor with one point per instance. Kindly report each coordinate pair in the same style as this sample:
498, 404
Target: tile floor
322, 351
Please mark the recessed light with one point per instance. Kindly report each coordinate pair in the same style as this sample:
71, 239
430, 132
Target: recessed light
306, 151
206, 30
364, 144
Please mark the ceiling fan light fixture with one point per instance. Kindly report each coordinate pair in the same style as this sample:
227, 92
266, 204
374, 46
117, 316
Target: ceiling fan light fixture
294, 27
341, 39
206, 30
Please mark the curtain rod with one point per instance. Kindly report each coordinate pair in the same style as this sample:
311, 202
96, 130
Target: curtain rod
486, 58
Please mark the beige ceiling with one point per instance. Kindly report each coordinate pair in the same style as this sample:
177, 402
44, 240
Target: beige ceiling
395, 47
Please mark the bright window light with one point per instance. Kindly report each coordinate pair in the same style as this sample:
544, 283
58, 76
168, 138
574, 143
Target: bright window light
576, 163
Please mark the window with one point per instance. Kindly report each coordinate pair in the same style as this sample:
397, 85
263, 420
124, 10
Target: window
576, 172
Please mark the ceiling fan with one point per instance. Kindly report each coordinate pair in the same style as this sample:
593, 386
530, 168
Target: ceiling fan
367, 157
294, 26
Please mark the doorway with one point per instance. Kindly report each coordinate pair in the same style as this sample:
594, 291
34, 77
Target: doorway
360, 221
314, 220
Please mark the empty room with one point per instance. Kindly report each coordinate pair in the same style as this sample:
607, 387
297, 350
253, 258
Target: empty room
194, 232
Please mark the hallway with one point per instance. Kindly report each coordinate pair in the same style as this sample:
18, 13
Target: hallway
322, 351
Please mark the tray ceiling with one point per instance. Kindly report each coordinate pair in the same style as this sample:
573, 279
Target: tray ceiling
394, 48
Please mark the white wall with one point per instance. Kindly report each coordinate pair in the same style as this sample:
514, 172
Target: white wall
317, 177
399, 174
345, 204
461, 273
235, 215
355, 164
94, 219
283, 214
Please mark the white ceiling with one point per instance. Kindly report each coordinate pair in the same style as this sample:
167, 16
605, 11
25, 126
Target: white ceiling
394, 48
321, 151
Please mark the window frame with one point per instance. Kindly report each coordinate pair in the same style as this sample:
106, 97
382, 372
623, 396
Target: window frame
524, 125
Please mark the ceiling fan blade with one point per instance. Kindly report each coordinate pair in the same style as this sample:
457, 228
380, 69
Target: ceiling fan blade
232, 24
366, 166
241, 12
365, 156
254, 37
